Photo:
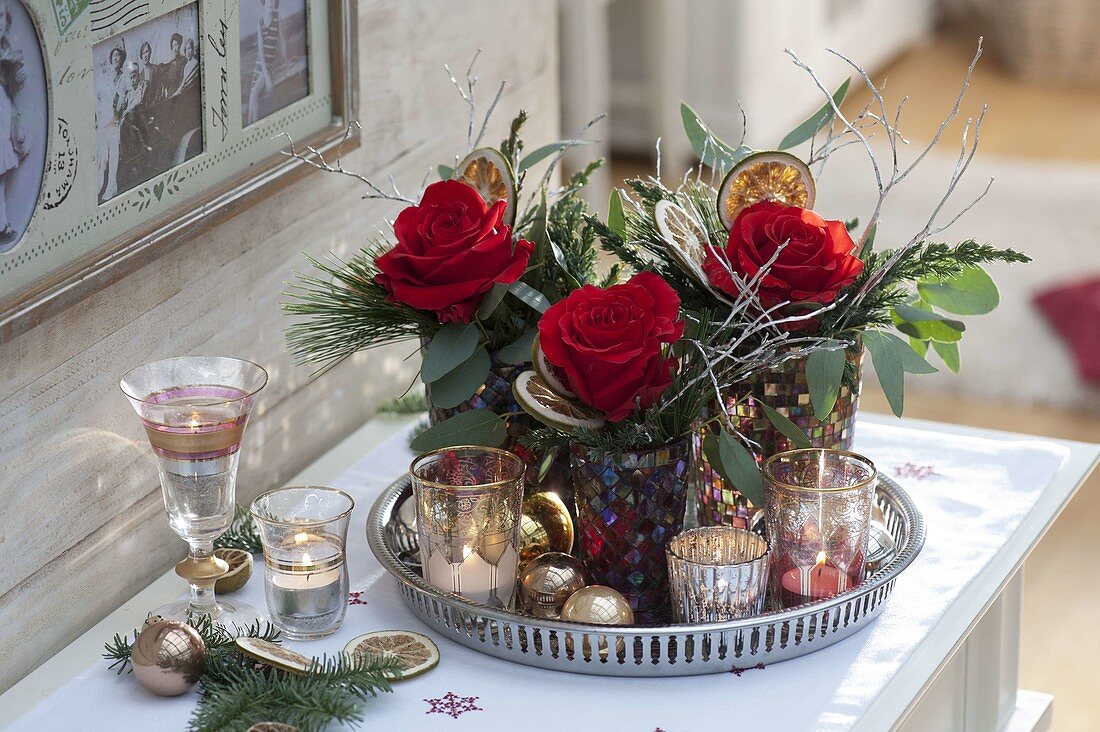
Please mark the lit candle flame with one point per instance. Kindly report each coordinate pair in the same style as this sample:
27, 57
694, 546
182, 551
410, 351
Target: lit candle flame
822, 557
306, 559
301, 538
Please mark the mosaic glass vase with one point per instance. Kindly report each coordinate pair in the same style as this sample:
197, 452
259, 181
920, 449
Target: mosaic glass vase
629, 506
783, 388
496, 395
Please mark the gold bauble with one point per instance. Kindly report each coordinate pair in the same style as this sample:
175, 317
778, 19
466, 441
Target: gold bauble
545, 527
547, 581
168, 657
597, 605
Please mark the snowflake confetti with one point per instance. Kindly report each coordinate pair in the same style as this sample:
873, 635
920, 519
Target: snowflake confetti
914, 471
355, 598
453, 705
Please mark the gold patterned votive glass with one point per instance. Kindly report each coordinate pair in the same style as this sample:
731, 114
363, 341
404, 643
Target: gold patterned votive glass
818, 509
304, 530
717, 573
468, 511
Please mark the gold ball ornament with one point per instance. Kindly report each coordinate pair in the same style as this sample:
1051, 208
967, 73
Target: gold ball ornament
597, 605
545, 527
547, 581
168, 657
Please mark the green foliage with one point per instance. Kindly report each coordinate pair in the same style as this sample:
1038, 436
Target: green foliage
736, 464
971, 292
512, 146
451, 345
236, 697
816, 122
241, 534
824, 372
412, 403
712, 151
472, 427
786, 427
519, 350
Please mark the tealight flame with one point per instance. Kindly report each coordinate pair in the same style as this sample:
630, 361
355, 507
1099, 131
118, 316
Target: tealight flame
301, 538
306, 559
822, 557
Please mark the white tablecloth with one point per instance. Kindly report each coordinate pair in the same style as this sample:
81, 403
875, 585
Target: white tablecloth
974, 493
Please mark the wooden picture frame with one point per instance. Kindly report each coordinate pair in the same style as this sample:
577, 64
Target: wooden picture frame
86, 230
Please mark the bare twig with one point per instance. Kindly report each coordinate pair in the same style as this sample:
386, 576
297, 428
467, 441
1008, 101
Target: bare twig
315, 158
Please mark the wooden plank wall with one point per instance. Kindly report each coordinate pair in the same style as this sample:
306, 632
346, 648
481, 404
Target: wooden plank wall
82, 525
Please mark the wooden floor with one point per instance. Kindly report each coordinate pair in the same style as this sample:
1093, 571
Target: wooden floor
1062, 582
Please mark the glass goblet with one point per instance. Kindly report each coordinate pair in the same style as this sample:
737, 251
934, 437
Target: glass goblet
194, 410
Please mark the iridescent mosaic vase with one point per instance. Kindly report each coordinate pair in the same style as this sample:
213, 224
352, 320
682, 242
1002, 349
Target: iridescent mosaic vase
629, 506
783, 388
496, 395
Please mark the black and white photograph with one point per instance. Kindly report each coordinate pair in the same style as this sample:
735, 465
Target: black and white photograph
274, 56
148, 100
24, 121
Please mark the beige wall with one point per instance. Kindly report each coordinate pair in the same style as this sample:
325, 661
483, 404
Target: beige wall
82, 525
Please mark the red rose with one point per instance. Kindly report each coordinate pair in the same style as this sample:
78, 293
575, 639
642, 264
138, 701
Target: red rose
451, 249
815, 264
608, 344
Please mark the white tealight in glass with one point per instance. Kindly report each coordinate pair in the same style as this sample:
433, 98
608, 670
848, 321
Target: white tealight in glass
304, 533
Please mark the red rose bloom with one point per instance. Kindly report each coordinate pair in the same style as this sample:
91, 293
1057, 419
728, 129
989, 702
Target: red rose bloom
608, 344
451, 249
815, 264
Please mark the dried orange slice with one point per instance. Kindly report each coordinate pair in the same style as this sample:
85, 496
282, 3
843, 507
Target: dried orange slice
685, 238
240, 569
488, 171
416, 652
765, 176
551, 408
546, 371
273, 654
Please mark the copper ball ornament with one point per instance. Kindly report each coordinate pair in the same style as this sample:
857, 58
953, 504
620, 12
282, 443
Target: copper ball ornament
548, 580
168, 657
598, 605
545, 527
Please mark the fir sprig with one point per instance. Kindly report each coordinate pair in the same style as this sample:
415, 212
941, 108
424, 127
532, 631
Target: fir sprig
241, 534
331, 691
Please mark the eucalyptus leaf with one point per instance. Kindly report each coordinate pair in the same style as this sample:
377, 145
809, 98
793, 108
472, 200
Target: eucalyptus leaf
519, 350
741, 469
786, 427
453, 344
816, 122
888, 366
461, 382
538, 233
711, 150
911, 361
530, 295
868, 242
926, 325
472, 427
949, 353
971, 292
547, 462
539, 154
616, 219
921, 347
712, 454
491, 300
824, 372
446, 172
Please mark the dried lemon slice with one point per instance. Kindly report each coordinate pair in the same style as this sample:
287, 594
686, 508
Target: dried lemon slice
416, 653
546, 371
490, 173
273, 654
240, 569
685, 238
765, 176
540, 401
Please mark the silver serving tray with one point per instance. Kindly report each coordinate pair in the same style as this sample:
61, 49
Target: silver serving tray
665, 650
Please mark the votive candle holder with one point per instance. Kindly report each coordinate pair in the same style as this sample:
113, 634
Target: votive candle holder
304, 533
468, 513
717, 573
818, 509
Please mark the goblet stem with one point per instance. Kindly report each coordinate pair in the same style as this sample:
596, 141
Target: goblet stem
202, 569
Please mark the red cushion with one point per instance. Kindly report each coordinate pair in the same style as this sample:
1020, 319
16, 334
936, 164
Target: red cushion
1074, 311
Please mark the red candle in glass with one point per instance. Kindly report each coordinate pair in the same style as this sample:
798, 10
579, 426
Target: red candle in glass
801, 585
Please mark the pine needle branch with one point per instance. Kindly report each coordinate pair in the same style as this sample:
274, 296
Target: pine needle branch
241, 534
